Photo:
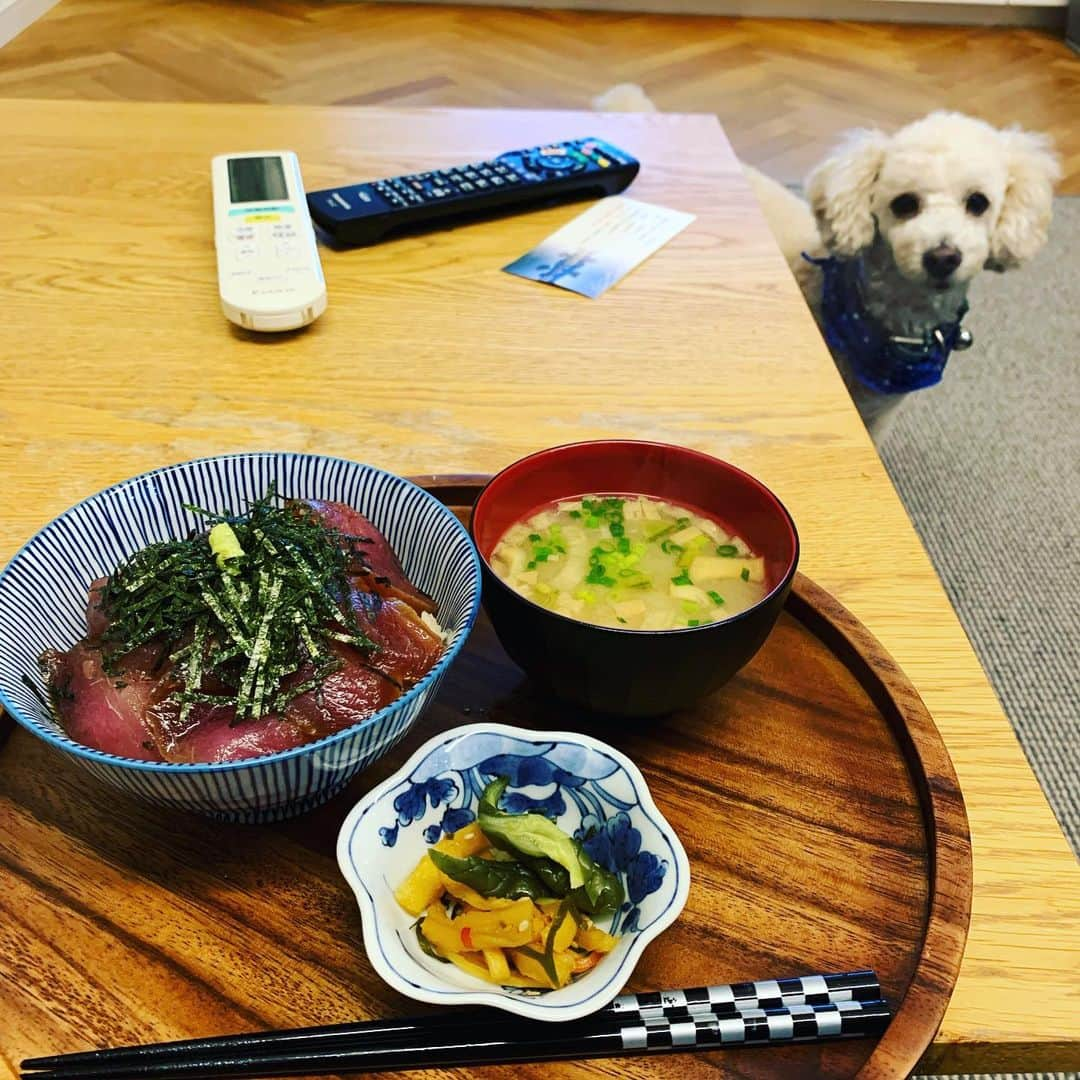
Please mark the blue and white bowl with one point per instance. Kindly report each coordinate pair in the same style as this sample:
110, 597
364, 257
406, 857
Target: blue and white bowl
585, 785
43, 605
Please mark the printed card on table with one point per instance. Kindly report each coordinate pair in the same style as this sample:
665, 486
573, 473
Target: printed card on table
601, 246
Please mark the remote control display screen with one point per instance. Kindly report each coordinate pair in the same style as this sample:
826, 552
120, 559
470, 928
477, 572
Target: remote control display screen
256, 179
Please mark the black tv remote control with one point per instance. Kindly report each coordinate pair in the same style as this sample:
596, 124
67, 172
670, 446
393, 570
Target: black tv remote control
367, 213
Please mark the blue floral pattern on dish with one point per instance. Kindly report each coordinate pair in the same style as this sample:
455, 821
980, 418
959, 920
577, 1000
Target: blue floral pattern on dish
608, 806
555, 784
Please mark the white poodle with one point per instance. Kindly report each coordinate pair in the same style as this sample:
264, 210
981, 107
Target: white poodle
896, 228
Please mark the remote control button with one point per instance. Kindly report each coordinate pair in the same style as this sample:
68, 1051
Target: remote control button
481, 183
497, 181
466, 186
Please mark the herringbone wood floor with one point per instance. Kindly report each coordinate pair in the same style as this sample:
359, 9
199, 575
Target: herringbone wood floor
782, 89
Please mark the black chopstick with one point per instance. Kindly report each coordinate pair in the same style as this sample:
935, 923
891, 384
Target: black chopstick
544, 1042
859, 985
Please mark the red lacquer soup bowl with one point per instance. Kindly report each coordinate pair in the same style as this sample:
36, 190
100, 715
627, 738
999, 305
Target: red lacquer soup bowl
619, 671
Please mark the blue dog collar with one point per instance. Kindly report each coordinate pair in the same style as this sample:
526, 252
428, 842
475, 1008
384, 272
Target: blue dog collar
887, 363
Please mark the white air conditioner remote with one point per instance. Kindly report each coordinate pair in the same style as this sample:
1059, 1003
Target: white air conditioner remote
269, 274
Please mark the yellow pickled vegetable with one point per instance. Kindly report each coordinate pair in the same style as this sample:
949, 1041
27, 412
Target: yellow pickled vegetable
440, 931
477, 930
472, 897
509, 939
567, 929
505, 928
425, 884
471, 963
586, 962
595, 940
531, 965
421, 888
497, 965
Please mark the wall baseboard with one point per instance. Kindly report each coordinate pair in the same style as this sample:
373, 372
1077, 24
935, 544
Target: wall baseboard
1043, 14
17, 15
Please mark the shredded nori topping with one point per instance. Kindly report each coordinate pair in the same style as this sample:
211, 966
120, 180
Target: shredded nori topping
247, 624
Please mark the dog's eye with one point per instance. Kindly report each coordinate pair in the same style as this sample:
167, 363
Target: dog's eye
905, 206
976, 204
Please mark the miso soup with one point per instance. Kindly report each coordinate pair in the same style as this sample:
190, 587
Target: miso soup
629, 561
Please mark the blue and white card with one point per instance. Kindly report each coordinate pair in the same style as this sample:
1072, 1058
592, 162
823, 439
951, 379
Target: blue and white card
601, 246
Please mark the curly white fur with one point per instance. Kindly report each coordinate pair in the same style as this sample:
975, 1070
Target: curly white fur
938, 163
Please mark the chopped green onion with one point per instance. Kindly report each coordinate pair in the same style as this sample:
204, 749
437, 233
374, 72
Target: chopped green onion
535, 537
598, 576
694, 622
574, 513
727, 550
682, 579
745, 574
715, 597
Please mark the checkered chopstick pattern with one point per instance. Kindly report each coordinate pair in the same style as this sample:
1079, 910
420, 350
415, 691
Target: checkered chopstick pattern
703, 1018
795, 1023
860, 985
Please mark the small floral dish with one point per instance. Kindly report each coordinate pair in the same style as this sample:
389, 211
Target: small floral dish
593, 793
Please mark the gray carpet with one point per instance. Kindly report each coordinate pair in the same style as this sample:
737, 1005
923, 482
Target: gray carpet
988, 466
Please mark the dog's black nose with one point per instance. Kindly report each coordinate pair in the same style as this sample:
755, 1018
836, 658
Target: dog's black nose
941, 261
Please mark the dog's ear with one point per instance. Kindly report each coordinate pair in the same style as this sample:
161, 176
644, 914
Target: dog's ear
1029, 190
839, 192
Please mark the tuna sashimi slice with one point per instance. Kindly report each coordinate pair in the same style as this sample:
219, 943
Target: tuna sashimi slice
378, 556
101, 711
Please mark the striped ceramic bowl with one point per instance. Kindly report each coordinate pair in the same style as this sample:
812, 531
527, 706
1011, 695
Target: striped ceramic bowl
43, 604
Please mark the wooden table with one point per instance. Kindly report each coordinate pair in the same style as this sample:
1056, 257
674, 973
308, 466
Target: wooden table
116, 359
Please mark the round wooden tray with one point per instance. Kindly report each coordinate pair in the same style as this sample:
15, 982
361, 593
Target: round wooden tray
819, 809
813, 794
